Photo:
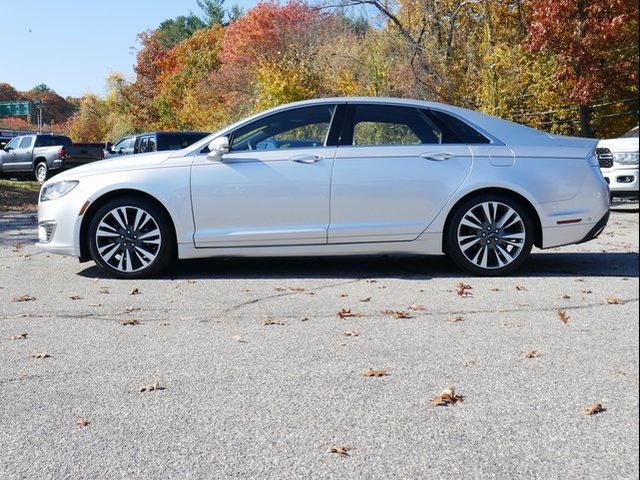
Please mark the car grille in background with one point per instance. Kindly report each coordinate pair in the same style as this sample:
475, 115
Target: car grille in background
605, 157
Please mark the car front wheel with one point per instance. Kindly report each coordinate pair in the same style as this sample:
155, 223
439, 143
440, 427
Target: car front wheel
490, 235
130, 238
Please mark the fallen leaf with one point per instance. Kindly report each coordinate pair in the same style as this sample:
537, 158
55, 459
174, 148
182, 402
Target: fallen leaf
531, 354
95, 305
280, 289
297, 289
417, 307
304, 319
455, 318
344, 295
462, 289
593, 409
271, 321
580, 280
495, 289
365, 300
371, 281
615, 301
17, 247
130, 321
191, 281
135, 291
82, 422
40, 355
586, 291
132, 309
151, 387
75, 297
564, 317
397, 314
164, 324
21, 336
24, 298
245, 290
447, 397
105, 290
342, 451
238, 338
346, 313
350, 333
375, 373
565, 297
521, 288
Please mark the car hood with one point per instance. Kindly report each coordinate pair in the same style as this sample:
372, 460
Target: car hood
110, 165
620, 144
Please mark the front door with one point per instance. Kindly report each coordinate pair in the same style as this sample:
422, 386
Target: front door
394, 171
272, 188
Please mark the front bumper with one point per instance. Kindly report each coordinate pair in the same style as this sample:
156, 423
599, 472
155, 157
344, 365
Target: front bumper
59, 224
622, 180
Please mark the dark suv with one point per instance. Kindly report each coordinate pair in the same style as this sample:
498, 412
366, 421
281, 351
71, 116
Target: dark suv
154, 141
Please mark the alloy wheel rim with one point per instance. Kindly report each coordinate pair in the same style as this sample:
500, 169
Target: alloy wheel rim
491, 235
128, 239
41, 173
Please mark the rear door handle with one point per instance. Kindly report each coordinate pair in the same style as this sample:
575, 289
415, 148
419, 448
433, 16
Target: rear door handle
438, 157
306, 158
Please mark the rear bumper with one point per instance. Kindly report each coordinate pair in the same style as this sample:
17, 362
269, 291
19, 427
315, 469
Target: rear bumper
597, 228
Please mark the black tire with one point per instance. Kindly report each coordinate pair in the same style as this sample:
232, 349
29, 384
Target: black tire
500, 244
130, 250
41, 171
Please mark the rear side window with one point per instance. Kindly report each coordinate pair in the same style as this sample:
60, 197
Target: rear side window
455, 130
26, 142
389, 125
178, 141
151, 145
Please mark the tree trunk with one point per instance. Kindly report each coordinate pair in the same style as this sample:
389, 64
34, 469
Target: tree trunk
585, 121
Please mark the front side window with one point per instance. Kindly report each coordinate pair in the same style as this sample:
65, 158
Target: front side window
26, 142
390, 125
124, 145
305, 127
151, 145
13, 144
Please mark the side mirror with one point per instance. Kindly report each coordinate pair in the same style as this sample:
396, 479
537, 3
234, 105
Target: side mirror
217, 148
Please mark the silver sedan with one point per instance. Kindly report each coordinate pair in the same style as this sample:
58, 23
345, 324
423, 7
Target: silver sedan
339, 176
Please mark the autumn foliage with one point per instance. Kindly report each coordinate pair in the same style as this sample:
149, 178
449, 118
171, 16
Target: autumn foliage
552, 64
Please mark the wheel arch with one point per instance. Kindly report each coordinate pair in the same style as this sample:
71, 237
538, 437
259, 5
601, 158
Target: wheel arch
38, 160
537, 234
102, 200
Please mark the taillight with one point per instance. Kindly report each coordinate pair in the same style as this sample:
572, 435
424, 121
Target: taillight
62, 153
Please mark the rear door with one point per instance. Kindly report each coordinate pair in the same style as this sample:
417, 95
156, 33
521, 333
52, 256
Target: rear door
394, 170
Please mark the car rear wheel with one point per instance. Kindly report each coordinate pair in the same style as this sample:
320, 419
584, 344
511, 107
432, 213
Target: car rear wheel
41, 171
130, 238
490, 235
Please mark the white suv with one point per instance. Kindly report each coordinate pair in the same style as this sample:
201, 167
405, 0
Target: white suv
619, 163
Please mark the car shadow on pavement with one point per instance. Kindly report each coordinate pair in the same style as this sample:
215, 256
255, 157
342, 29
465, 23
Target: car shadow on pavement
411, 267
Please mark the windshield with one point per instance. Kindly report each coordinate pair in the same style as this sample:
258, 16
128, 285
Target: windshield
633, 133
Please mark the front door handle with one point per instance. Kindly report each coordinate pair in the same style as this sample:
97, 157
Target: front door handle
306, 158
438, 157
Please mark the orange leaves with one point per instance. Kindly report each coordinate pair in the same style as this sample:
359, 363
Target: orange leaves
563, 316
24, 298
150, 387
347, 313
342, 451
462, 289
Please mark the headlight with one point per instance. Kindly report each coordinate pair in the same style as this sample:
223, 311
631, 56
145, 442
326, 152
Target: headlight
627, 158
57, 190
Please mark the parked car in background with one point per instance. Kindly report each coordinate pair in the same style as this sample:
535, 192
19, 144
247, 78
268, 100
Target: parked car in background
371, 176
619, 163
42, 155
155, 141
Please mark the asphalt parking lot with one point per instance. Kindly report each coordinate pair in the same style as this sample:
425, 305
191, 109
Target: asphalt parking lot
260, 377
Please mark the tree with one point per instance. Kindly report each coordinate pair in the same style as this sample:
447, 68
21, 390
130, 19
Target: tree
173, 31
596, 46
213, 10
8, 93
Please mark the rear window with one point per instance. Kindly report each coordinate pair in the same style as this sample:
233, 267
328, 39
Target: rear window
52, 141
178, 141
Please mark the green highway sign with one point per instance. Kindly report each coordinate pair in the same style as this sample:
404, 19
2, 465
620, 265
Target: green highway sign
15, 109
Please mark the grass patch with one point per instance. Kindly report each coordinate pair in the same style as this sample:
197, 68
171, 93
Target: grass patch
19, 195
